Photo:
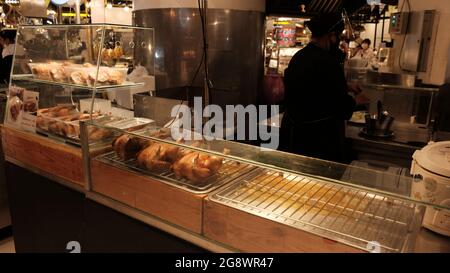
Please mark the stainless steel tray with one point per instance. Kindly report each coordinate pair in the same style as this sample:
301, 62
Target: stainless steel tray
229, 172
348, 215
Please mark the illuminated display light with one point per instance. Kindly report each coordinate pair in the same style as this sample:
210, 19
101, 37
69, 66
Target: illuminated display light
12, 2
59, 2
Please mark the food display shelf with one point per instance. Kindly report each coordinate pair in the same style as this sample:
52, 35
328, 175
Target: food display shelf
102, 88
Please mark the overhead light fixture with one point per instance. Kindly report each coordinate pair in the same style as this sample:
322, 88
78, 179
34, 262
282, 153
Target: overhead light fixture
126, 8
374, 2
109, 5
302, 8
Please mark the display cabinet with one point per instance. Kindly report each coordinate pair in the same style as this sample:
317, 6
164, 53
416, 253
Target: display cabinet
255, 199
63, 74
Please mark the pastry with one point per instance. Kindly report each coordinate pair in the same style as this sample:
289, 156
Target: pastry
42, 123
30, 106
98, 134
15, 107
58, 74
161, 133
79, 77
69, 130
42, 71
53, 111
15, 91
102, 77
115, 77
55, 127
62, 112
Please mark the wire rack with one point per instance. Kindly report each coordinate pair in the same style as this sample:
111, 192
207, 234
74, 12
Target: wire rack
229, 171
337, 212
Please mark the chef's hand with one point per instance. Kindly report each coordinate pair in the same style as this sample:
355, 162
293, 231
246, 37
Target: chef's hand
354, 88
361, 99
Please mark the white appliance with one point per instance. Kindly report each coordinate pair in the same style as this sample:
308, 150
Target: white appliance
416, 51
431, 171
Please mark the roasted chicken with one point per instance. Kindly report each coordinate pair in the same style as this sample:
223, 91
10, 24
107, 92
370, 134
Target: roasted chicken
158, 157
126, 147
196, 166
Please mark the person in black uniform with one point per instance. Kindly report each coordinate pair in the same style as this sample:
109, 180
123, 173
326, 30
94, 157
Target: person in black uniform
7, 40
317, 100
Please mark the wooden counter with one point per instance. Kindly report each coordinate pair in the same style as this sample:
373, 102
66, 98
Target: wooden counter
43, 154
191, 217
149, 195
250, 233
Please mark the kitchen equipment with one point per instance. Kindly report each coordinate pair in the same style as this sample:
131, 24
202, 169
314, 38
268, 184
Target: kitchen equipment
431, 171
377, 134
371, 124
379, 109
386, 122
378, 126
387, 78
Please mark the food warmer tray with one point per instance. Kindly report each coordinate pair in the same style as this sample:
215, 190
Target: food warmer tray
348, 215
229, 171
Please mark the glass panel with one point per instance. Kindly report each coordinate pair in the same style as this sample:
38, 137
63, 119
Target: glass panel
387, 184
95, 56
63, 74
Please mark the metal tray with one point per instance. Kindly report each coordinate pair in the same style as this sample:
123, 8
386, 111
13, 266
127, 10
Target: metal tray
229, 172
348, 215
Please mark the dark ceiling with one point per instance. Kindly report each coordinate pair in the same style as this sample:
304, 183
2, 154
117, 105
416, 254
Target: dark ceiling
313, 7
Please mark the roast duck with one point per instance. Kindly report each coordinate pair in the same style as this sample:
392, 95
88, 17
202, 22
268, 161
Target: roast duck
155, 156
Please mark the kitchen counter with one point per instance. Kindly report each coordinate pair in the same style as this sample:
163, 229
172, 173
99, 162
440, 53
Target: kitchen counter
34, 195
430, 242
397, 150
406, 136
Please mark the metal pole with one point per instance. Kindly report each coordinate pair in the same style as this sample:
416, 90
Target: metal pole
77, 12
375, 38
382, 30
207, 91
60, 17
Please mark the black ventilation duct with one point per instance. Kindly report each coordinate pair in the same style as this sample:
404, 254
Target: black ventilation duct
312, 7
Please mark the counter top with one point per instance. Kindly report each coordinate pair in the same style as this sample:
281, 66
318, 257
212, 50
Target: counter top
426, 242
402, 87
406, 136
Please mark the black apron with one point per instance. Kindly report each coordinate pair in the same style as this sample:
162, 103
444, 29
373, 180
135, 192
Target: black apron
323, 138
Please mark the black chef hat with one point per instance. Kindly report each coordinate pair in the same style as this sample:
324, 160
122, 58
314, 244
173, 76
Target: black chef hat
326, 23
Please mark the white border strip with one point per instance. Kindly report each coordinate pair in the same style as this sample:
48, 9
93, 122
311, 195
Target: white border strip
250, 5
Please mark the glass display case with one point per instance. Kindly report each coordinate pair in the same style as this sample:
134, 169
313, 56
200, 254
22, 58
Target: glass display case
311, 195
63, 74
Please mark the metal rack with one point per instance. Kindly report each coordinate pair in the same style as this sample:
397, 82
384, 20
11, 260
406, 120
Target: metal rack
337, 212
229, 171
